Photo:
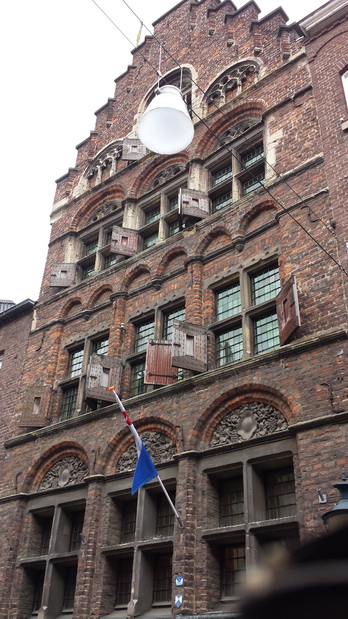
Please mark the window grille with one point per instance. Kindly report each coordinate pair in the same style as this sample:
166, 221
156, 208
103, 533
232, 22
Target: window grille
46, 535
143, 333
168, 320
150, 240
100, 347
76, 530
162, 578
128, 521
229, 346
69, 402
165, 516
152, 215
252, 156
87, 271
266, 333
228, 301
222, 175
70, 585
110, 260
124, 581
265, 285
38, 590
173, 203
91, 247
222, 201
253, 183
75, 363
137, 378
280, 493
232, 570
231, 502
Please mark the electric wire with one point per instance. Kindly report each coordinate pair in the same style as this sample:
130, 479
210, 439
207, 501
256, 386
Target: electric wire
285, 209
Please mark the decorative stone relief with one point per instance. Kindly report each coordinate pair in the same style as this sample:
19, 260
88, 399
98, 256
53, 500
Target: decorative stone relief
65, 472
235, 131
248, 421
106, 207
106, 160
232, 80
166, 175
159, 446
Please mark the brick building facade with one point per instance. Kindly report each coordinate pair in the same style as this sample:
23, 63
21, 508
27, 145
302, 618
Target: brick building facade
210, 288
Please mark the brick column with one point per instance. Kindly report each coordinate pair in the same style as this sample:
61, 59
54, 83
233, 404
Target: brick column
194, 296
117, 331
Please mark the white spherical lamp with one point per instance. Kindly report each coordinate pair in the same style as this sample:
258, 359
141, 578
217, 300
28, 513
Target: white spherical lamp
166, 126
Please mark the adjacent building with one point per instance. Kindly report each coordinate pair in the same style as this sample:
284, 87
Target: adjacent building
209, 287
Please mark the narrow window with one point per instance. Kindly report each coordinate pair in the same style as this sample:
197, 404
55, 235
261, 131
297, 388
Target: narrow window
46, 535
100, 347
143, 333
69, 402
232, 570
38, 590
165, 516
124, 581
228, 301
222, 201
280, 493
162, 578
137, 378
266, 333
265, 285
150, 240
76, 530
229, 346
70, 585
75, 363
168, 320
231, 502
128, 521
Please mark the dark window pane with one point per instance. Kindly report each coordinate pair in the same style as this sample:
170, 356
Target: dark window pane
165, 515
150, 240
137, 378
253, 155
39, 583
110, 260
231, 501
124, 581
128, 521
70, 585
232, 570
266, 333
88, 271
46, 535
69, 402
280, 493
162, 578
91, 247
228, 302
265, 285
76, 530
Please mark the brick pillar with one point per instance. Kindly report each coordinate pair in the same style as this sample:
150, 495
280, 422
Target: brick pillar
117, 331
194, 296
11, 540
87, 578
184, 560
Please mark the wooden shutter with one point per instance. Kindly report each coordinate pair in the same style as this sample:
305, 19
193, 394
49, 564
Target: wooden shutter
158, 366
63, 274
37, 403
123, 241
103, 372
288, 310
133, 149
189, 346
194, 203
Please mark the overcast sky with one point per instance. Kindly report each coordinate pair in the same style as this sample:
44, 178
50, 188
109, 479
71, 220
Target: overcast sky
59, 62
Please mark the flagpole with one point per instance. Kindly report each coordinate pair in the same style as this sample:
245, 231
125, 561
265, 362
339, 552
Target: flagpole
135, 434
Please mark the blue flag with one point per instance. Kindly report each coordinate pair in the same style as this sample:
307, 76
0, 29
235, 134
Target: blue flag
145, 469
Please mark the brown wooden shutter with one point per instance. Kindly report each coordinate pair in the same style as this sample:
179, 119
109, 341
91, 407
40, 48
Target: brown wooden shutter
288, 310
37, 404
133, 149
194, 203
189, 346
103, 372
124, 241
158, 366
63, 274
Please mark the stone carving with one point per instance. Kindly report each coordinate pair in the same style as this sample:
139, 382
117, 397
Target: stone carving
231, 80
166, 175
160, 447
106, 207
248, 421
106, 160
235, 131
65, 472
